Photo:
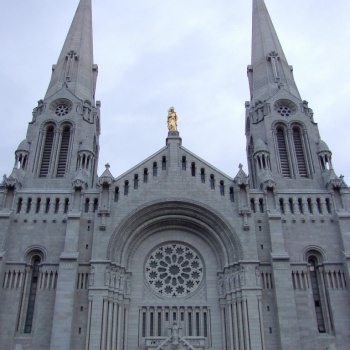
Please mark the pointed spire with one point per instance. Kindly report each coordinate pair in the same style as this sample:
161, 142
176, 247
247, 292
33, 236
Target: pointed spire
75, 69
269, 70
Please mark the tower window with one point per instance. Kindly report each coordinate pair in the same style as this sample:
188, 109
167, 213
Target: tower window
222, 188
29, 205
252, 205
281, 203
38, 205
261, 205
283, 153
163, 163
299, 152
202, 175
46, 156
300, 205
63, 155
328, 205
290, 202
155, 169
319, 208
136, 182
47, 207
145, 175
66, 205
212, 182
32, 296
116, 194
316, 294
232, 196
309, 205
193, 169
183, 162
95, 204
126, 187
87, 205
19, 205
57, 205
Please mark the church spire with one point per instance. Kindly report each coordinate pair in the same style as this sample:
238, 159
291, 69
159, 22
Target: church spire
75, 68
269, 70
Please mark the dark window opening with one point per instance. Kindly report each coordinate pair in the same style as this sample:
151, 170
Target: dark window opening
252, 205
29, 205
38, 205
309, 205
319, 208
136, 182
126, 187
116, 194
87, 205
261, 205
63, 155
32, 296
66, 205
19, 205
281, 203
300, 205
212, 182
232, 196
145, 175
202, 175
291, 208
57, 205
222, 188
46, 156
283, 153
193, 169
163, 163
183, 162
328, 205
47, 207
95, 204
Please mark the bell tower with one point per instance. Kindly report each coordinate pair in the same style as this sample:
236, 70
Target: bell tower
62, 142
284, 147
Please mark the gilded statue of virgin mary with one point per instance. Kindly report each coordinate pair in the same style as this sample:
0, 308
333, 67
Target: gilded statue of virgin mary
172, 119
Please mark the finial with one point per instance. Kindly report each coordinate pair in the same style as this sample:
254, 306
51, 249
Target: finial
107, 166
172, 119
240, 166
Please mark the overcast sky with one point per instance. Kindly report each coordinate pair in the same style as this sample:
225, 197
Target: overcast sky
188, 54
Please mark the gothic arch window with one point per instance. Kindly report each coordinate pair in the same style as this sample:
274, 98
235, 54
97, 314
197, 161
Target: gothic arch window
64, 152
47, 151
299, 151
281, 140
33, 287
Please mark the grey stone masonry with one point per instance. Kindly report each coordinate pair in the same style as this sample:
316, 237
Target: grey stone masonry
174, 254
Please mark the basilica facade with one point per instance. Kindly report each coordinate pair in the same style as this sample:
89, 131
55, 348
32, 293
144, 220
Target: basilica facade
174, 254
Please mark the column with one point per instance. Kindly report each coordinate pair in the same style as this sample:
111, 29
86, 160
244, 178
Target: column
88, 325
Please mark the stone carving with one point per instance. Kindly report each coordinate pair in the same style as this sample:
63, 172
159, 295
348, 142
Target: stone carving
107, 276
174, 270
39, 109
175, 335
221, 285
129, 225
91, 276
172, 119
234, 279
128, 285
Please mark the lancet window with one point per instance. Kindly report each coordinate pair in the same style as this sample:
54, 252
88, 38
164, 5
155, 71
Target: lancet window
64, 152
47, 151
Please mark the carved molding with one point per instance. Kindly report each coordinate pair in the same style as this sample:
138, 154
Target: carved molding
187, 215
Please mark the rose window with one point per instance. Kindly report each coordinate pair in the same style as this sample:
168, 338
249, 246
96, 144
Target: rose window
62, 110
284, 111
174, 270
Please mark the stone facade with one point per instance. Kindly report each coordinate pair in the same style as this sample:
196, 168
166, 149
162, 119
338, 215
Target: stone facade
174, 254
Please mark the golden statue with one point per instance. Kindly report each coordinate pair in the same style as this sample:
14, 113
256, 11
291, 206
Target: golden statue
172, 119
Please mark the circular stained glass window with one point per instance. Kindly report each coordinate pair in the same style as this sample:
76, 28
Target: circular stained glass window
285, 108
62, 110
174, 270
